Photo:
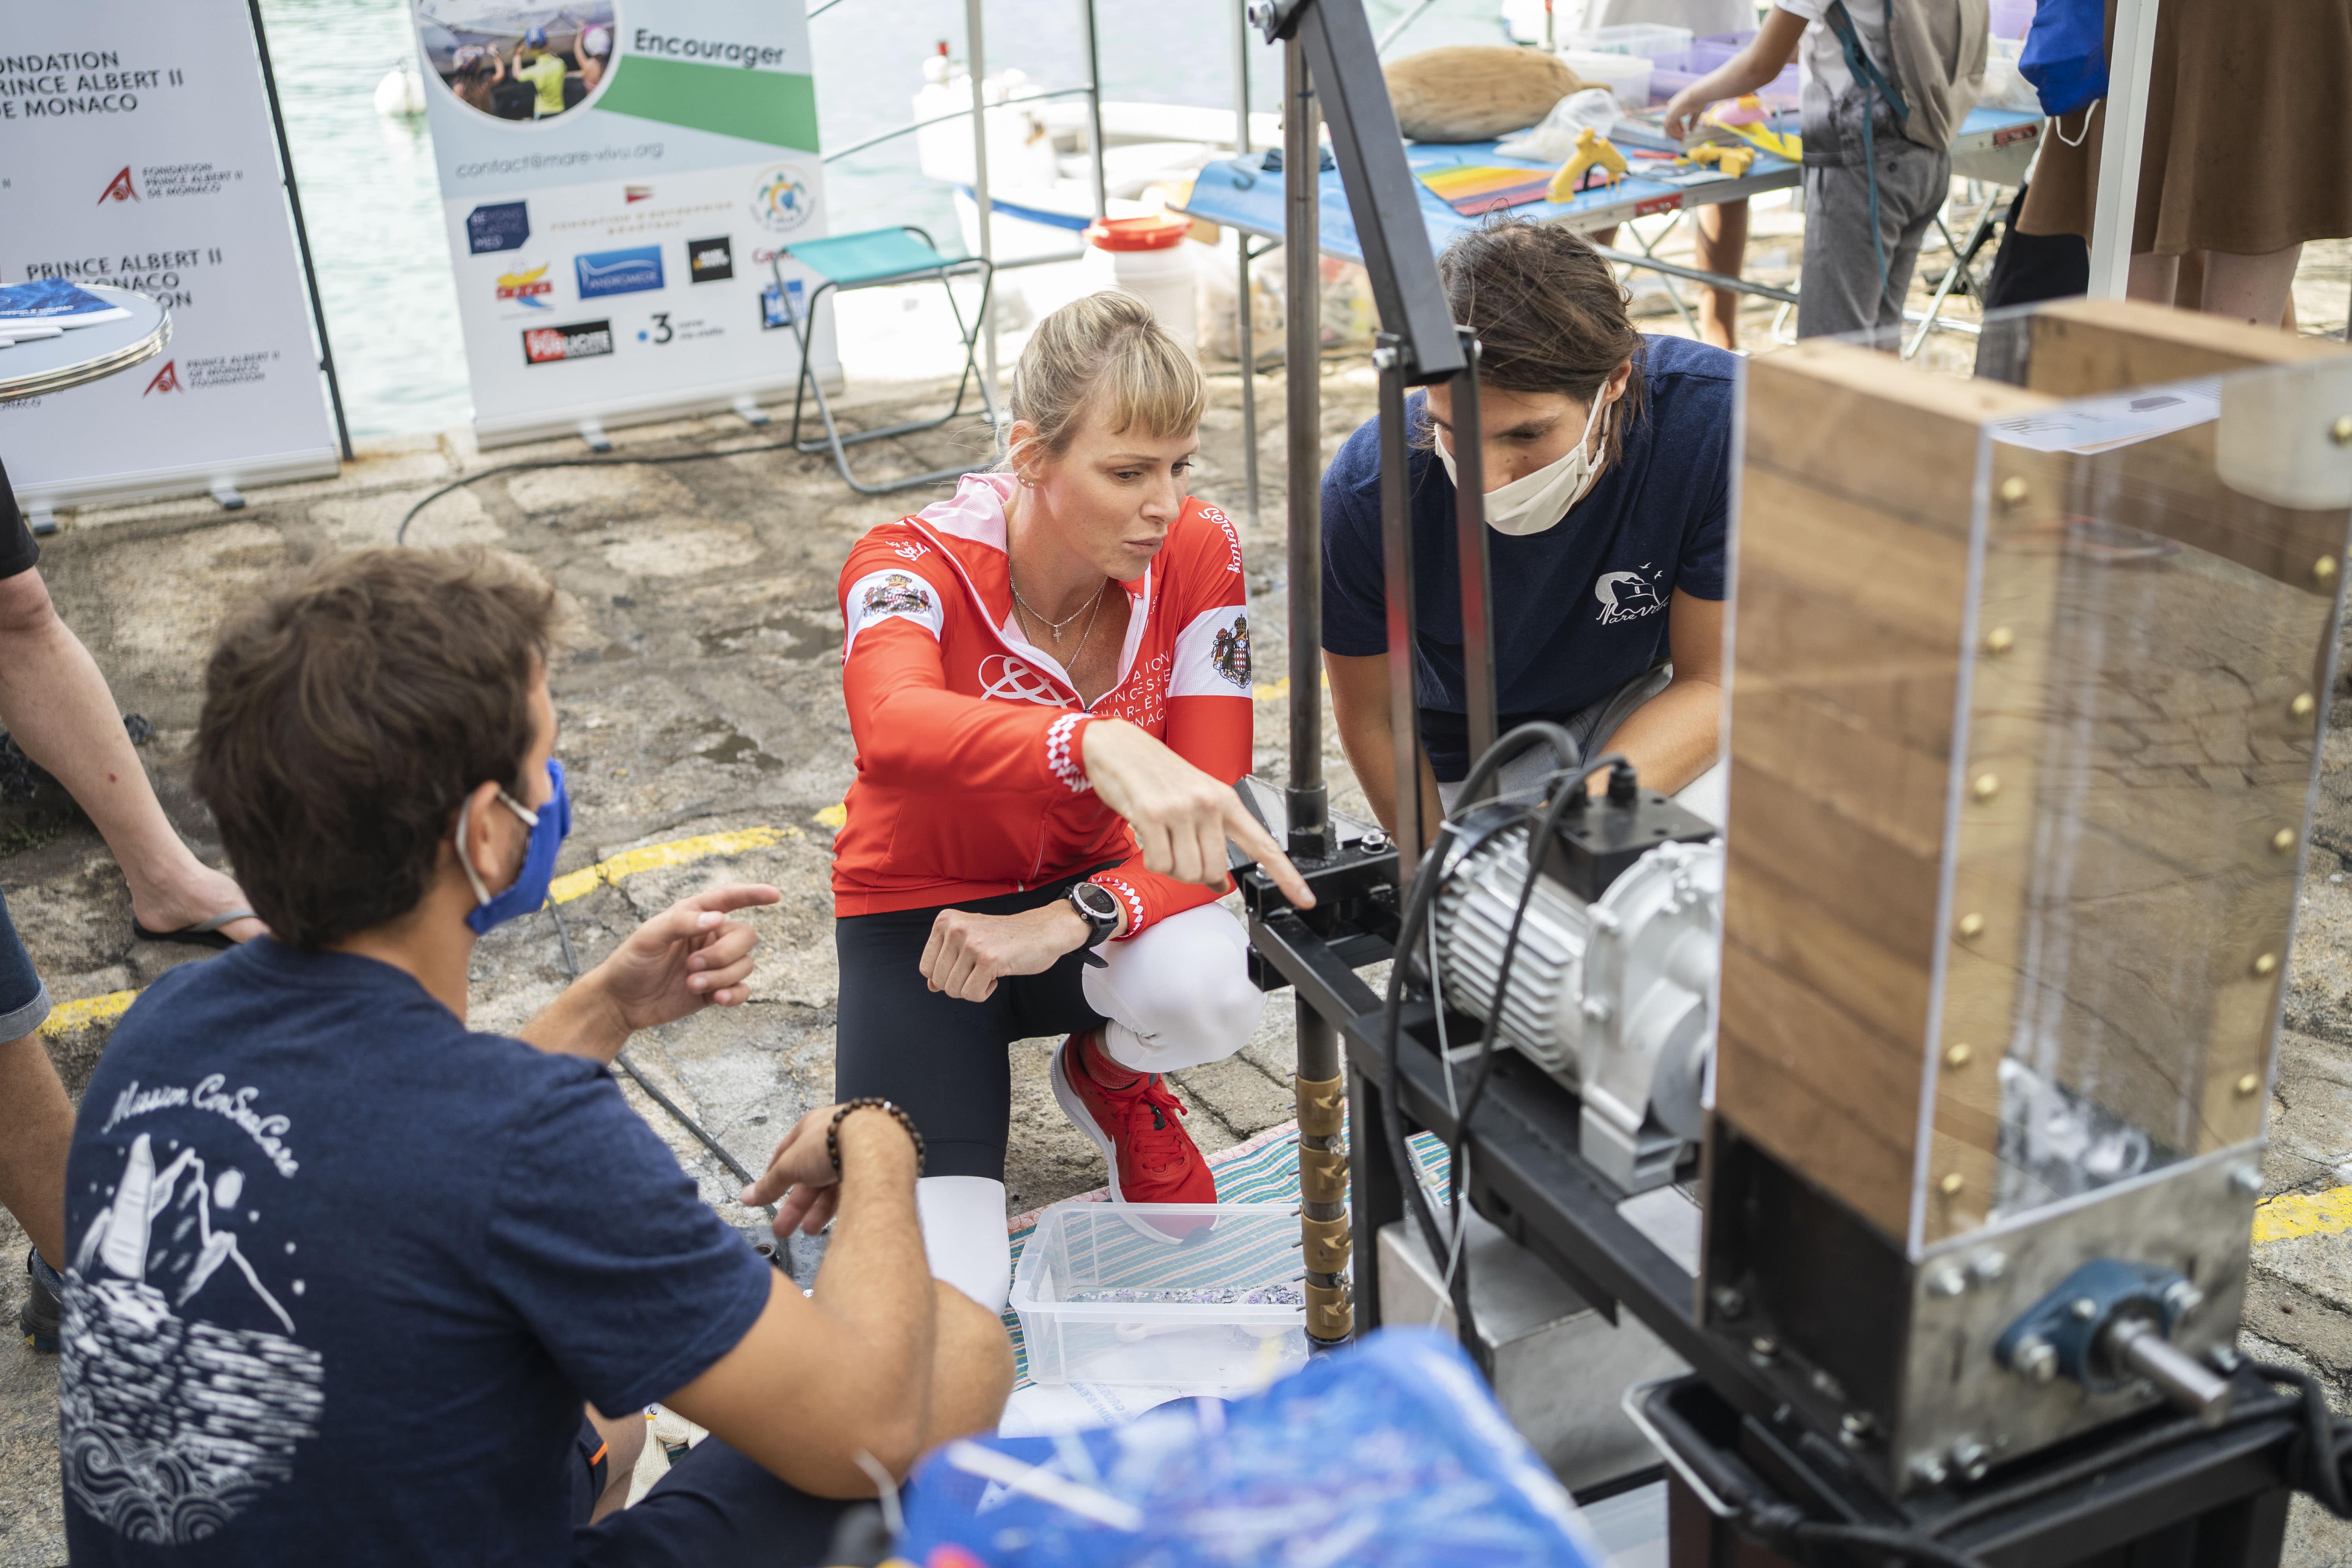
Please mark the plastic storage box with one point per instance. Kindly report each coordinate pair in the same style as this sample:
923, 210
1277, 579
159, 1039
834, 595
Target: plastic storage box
1627, 77
1652, 39
1106, 1295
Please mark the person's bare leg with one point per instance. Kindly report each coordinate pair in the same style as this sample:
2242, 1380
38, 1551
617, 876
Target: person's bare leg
56, 703
33, 1152
1722, 248
624, 1440
2153, 278
2249, 288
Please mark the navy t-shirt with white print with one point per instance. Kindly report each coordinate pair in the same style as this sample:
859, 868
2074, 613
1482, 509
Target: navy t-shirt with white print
1580, 609
341, 1272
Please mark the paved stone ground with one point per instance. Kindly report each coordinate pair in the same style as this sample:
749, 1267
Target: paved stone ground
702, 696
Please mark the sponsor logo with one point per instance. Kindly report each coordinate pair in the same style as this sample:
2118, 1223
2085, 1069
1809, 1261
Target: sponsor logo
632, 195
119, 189
1013, 680
582, 339
166, 379
709, 260
776, 305
631, 271
1626, 596
910, 550
1230, 652
527, 288
501, 226
780, 198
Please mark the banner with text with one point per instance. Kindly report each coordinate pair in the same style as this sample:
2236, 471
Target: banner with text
137, 149
619, 175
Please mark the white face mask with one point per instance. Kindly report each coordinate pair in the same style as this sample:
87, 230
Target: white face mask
1538, 501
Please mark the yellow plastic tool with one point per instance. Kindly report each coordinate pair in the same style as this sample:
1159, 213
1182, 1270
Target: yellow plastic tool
1746, 119
1732, 161
1593, 151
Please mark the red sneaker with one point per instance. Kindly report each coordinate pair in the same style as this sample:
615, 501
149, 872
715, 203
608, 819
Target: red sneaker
1153, 1158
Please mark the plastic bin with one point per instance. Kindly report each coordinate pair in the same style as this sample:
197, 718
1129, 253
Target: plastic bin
1651, 40
1100, 1300
1625, 76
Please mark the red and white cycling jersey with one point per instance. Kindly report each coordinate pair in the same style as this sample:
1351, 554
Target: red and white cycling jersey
969, 784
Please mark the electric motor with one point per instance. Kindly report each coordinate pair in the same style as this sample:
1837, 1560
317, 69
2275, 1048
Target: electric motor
1613, 995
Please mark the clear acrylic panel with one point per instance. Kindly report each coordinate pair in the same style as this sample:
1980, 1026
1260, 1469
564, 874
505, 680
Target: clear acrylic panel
2154, 581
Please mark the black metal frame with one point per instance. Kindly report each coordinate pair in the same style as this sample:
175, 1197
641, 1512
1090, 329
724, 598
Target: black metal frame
301, 233
803, 325
2154, 1490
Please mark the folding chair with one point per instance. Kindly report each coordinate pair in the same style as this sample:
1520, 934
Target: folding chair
870, 260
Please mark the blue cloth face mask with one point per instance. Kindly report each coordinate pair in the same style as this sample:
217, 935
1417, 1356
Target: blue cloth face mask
548, 825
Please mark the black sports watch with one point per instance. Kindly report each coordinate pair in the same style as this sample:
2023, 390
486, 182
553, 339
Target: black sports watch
1099, 906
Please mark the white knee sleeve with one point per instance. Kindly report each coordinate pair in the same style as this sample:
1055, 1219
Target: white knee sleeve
964, 1237
1177, 995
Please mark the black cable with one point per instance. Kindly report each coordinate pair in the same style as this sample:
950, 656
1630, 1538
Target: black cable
621, 1059
401, 535
2315, 1461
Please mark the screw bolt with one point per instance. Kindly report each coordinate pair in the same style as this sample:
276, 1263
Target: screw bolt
2247, 1179
1971, 926
1952, 1184
2183, 1297
1989, 1266
2302, 707
1729, 1301
1986, 786
1947, 1282
2084, 1309
1828, 1387
1969, 1457
2324, 569
2001, 639
2282, 841
1958, 1055
1855, 1428
2341, 431
2249, 1084
2035, 1360
1929, 1469
1375, 841
2267, 963
2013, 491
1764, 1347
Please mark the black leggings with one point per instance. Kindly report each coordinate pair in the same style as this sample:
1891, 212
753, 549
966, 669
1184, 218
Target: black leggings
942, 1059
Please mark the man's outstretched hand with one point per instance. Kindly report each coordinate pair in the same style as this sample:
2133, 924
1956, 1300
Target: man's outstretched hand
687, 958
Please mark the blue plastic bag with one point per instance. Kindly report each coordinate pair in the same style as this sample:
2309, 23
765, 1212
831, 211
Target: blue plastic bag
2065, 54
1392, 1452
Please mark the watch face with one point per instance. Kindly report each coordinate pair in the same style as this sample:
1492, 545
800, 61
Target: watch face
1095, 899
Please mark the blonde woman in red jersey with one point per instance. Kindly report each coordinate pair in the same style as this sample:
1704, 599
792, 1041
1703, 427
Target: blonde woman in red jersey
1048, 678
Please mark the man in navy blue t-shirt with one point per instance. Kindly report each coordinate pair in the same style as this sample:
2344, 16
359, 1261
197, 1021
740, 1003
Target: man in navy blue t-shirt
1607, 457
344, 1277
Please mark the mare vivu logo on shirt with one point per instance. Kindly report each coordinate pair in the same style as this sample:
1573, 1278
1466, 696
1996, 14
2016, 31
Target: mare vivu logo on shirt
171, 1424
1627, 595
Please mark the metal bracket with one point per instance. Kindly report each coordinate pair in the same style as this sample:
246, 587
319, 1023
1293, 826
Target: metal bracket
1322, 1175
1322, 1106
1326, 1243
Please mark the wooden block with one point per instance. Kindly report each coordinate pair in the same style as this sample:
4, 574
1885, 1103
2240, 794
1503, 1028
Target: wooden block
1883, 887
1868, 427
1814, 946
2081, 348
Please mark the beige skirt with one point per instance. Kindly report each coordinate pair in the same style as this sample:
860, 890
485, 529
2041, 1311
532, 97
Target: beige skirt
2247, 149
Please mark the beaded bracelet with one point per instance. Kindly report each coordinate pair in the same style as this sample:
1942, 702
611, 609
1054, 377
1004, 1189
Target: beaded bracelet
864, 1103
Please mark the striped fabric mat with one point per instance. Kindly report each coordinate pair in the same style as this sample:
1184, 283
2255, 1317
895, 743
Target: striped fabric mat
1263, 1170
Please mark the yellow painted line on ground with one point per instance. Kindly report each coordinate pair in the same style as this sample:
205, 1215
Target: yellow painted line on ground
68, 1016
659, 857
2291, 1215
835, 816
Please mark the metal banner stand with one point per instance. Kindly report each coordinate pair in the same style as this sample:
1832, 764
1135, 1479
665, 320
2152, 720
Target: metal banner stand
301, 234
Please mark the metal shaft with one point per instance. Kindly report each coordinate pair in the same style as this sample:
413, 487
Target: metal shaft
976, 59
1323, 1179
1396, 563
1470, 547
2139, 1344
1245, 341
1302, 374
1094, 106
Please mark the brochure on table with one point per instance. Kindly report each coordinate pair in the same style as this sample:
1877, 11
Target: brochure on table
141, 155
613, 215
